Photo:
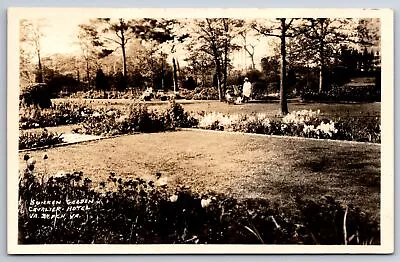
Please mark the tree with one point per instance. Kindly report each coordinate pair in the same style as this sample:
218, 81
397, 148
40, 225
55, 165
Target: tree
166, 33
270, 68
247, 45
31, 32
318, 42
199, 65
282, 30
323, 38
101, 81
91, 47
110, 34
214, 37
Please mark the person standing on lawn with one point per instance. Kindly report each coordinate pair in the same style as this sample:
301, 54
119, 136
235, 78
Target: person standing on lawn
246, 90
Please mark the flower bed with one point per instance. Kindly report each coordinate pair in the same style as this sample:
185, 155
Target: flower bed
138, 211
38, 139
348, 93
299, 123
305, 123
58, 114
138, 119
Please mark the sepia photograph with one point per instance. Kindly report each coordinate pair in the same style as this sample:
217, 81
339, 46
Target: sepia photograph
195, 130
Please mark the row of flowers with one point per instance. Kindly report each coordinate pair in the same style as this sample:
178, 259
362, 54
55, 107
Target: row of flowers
138, 118
305, 123
67, 113
41, 138
138, 211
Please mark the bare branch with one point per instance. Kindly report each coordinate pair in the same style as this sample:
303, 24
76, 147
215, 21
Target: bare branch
113, 40
264, 33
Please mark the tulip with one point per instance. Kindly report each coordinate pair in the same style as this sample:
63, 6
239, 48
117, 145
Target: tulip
173, 198
205, 203
162, 181
60, 173
31, 161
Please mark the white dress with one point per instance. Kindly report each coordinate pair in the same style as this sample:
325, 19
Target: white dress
247, 89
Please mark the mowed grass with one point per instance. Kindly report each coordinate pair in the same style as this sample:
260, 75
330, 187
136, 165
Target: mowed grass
243, 166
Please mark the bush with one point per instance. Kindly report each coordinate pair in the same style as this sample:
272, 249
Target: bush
138, 119
301, 123
179, 117
205, 93
41, 139
347, 93
36, 95
59, 114
138, 211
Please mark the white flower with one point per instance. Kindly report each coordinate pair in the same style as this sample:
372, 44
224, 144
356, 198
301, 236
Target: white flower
31, 161
96, 114
205, 203
122, 118
173, 198
36, 125
60, 173
162, 181
111, 113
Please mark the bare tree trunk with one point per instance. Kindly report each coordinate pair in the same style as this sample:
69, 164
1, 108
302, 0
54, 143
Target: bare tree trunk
40, 73
225, 64
218, 75
321, 67
178, 74
124, 59
88, 73
252, 59
283, 84
175, 76
123, 55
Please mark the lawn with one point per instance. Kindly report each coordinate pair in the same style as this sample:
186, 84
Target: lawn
235, 164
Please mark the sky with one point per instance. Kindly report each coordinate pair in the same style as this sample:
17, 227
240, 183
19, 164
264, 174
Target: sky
60, 37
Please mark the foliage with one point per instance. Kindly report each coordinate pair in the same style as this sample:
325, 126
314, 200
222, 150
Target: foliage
205, 93
37, 95
346, 93
138, 211
58, 114
301, 123
214, 38
138, 119
101, 81
38, 139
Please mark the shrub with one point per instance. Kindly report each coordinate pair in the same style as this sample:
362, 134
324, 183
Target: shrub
40, 139
138, 211
59, 114
37, 95
305, 123
205, 93
346, 93
178, 117
138, 119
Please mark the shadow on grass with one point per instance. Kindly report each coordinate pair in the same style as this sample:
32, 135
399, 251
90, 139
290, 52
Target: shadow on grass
355, 168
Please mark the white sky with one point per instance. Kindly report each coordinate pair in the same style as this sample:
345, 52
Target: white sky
60, 36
